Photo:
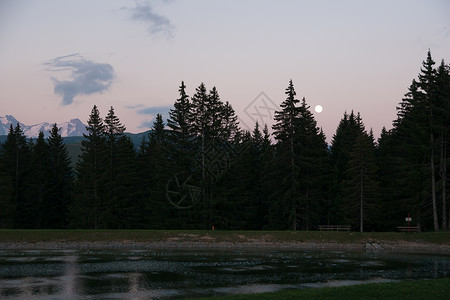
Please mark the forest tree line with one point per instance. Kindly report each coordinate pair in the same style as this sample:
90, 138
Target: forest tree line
200, 169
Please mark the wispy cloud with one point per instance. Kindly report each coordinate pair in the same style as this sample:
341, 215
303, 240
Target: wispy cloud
156, 23
87, 77
163, 110
446, 32
135, 106
151, 111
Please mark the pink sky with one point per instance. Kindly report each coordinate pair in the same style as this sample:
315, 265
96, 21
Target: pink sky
59, 58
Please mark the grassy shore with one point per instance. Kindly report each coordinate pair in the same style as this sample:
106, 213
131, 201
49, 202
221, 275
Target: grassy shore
429, 242
418, 289
218, 236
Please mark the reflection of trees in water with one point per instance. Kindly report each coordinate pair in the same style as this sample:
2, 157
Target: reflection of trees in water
134, 279
153, 274
409, 270
70, 282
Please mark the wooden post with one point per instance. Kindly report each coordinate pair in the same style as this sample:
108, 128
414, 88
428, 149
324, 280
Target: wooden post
409, 222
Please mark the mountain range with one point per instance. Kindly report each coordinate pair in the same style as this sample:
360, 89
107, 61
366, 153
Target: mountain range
67, 129
72, 133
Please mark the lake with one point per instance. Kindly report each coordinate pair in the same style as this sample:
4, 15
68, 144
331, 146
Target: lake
144, 274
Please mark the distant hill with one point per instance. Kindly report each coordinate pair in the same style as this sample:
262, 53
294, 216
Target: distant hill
136, 138
73, 143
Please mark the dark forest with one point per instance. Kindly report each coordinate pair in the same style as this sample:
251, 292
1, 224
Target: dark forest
199, 169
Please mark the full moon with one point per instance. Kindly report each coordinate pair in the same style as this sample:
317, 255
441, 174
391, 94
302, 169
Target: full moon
318, 108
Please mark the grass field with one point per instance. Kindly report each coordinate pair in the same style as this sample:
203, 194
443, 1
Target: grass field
419, 289
19, 235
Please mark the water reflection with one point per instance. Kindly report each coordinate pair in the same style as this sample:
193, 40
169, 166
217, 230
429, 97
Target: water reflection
173, 274
69, 280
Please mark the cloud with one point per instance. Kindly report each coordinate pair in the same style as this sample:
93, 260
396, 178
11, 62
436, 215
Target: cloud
446, 32
151, 111
135, 106
156, 23
87, 77
163, 110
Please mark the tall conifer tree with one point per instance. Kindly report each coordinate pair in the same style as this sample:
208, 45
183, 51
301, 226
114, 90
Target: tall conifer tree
38, 183
90, 176
179, 116
421, 126
181, 141
391, 177
443, 118
156, 156
360, 185
6, 197
60, 182
349, 128
114, 130
285, 132
16, 162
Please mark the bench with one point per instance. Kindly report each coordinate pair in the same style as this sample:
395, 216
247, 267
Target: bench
334, 227
408, 229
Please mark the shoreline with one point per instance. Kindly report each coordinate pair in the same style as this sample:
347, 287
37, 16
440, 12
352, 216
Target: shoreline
382, 246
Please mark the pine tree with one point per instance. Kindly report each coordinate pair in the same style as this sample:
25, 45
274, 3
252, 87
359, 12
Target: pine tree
60, 182
37, 183
258, 198
391, 177
299, 165
313, 163
411, 151
113, 132
267, 183
234, 204
229, 126
90, 183
348, 130
421, 125
200, 116
155, 154
260, 155
214, 115
443, 118
285, 129
158, 134
427, 83
361, 183
128, 207
143, 180
6, 195
16, 162
180, 115
180, 140
205, 127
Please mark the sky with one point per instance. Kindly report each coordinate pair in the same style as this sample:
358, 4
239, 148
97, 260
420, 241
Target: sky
60, 58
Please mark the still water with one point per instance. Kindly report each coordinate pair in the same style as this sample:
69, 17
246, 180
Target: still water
146, 274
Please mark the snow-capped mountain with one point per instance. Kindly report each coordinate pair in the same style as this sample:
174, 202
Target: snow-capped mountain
5, 122
72, 128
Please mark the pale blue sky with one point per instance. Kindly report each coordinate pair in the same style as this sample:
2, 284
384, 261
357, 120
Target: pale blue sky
59, 58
